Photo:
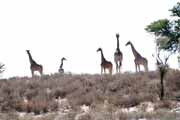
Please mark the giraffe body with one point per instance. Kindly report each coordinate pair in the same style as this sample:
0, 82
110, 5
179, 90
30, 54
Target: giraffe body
105, 64
118, 56
143, 61
139, 60
33, 65
37, 67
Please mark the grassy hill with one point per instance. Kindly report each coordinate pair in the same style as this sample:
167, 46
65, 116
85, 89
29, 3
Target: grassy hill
39, 95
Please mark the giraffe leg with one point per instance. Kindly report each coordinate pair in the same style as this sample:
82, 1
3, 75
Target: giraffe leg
104, 70
146, 66
116, 67
119, 66
32, 72
101, 70
110, 70
138, 68
135, 65
41, 70
145, 69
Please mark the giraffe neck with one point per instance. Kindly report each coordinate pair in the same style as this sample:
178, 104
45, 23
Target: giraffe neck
135, 53
102, 57
32, 62
117, 43
61, 64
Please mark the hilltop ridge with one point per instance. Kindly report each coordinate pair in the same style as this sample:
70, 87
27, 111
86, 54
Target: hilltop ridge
40, 94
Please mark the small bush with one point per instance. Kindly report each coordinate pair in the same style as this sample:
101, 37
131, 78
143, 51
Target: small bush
58, 92
166, 104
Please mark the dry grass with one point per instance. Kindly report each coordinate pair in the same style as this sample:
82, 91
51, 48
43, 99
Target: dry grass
122, 90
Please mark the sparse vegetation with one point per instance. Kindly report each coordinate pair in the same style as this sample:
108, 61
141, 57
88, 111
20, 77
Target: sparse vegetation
39, 94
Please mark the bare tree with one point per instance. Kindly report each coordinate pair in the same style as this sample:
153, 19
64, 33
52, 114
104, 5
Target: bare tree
162, 67
2, 68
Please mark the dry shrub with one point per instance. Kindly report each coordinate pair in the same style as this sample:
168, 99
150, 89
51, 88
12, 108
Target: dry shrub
31, 93
58, 92
121, 116
41, 104
173, 80
125, 90
9, 116
83, 116
9, 97
166, 104
153, 75
80, 98
129, 101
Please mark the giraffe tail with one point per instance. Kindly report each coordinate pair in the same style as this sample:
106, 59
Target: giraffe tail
41, 69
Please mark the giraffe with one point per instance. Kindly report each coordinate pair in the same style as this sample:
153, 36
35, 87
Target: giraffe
61, 70
33, 65
139, 60
118, 56
104, 63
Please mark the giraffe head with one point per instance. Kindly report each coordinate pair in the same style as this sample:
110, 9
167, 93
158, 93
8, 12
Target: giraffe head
27, 51
99, 49
117, 35
128, 43
63, 59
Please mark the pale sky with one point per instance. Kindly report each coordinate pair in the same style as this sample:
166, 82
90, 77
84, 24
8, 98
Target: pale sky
74, 29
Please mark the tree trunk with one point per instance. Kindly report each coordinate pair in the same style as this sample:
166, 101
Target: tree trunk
162, 86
